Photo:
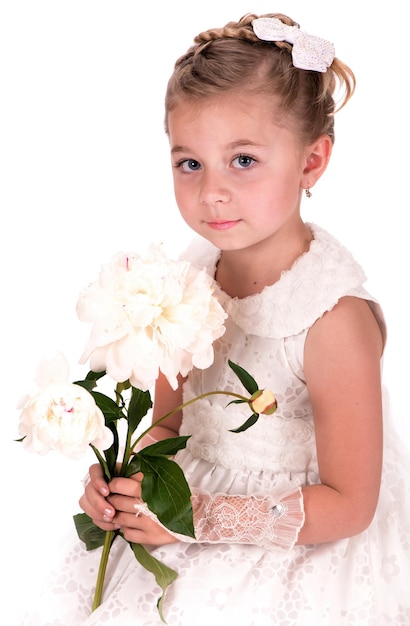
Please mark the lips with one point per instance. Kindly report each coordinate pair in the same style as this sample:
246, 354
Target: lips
223, 224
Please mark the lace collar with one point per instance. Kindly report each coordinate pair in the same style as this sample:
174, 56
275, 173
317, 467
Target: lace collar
312, 286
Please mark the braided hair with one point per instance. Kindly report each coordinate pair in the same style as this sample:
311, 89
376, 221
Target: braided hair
232, 59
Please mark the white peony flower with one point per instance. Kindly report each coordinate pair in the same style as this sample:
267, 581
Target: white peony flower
150, 314
60, 415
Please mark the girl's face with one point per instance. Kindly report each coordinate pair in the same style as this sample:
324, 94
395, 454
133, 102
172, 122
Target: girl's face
238, 176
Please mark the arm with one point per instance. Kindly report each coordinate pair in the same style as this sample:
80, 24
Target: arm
165, 401
342, 368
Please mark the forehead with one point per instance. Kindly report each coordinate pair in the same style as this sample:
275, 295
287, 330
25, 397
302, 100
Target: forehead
230, 110
229, 123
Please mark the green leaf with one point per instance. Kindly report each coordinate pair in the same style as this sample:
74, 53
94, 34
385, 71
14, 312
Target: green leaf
166, 447
112, 412
105, 468
111, 454
122, 386
133, 467
95, 375
167, 494
88, 532
139, 405
249, 422
87, 384
246, 379
164, 575
90, 380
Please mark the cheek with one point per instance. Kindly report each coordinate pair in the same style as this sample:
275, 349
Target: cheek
181, 201
184, 199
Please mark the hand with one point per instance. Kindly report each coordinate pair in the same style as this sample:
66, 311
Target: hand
94, 500
125, 496
112, 507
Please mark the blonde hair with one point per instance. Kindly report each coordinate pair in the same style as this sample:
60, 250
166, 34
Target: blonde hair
233, 59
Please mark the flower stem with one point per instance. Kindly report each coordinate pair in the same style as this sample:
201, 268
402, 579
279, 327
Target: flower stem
184, 405
109, 538
127, 451
110, 535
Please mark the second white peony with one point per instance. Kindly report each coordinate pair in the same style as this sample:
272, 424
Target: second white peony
60, 415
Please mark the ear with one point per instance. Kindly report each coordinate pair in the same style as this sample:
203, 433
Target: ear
317, 157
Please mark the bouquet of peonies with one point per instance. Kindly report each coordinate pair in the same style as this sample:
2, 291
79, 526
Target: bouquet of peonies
148, 315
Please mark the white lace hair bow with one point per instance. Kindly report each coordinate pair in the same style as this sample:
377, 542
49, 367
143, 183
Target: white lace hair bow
309, 52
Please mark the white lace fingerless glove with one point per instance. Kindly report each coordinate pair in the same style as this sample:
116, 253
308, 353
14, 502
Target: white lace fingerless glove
266, 520
261, 519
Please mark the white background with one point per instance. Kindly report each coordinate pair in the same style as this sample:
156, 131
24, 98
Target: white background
85, 172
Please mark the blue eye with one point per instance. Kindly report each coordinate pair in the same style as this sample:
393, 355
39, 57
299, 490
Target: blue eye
243, 161
189, 165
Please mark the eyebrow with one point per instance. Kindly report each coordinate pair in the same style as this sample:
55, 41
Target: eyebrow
178, 149
231, 146
244, 142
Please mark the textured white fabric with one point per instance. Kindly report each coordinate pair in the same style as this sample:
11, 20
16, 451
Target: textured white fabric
267, 520
261, 519
308, 53
361, 581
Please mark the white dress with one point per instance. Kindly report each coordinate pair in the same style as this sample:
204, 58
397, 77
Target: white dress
361, 581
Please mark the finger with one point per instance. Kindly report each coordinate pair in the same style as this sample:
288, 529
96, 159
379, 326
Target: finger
97, 479
105, 525
97, 508
126, 487
141, 529
138, 476
93, 502
125, 504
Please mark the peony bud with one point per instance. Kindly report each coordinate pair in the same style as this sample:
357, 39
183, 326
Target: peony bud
263, 402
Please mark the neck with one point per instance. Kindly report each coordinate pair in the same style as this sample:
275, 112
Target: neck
242, 273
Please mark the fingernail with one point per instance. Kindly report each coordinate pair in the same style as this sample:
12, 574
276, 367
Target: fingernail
108, 513
104, 491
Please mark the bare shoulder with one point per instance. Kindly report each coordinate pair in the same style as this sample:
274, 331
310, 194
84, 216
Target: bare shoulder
350, 327
342, 359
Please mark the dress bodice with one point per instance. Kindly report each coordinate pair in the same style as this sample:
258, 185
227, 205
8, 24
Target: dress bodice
265, 334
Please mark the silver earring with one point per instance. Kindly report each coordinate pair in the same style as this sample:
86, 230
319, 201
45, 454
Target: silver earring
308, 192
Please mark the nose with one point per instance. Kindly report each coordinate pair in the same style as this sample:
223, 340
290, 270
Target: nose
214, 188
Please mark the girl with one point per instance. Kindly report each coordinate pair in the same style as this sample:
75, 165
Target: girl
304, 519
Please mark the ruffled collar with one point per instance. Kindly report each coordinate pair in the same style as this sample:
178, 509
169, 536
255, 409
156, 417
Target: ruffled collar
312, 286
